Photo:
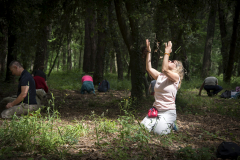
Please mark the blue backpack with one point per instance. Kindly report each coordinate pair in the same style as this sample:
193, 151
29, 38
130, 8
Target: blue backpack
104, 86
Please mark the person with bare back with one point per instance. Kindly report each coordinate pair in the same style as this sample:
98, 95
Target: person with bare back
167, 83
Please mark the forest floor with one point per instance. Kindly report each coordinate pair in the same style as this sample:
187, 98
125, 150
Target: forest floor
205, 130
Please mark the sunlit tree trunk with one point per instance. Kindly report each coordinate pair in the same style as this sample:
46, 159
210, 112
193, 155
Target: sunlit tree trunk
206, 68
229, 70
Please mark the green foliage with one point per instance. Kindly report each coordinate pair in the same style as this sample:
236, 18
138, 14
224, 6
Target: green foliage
115, 84
189, 102
38, 133
71, 80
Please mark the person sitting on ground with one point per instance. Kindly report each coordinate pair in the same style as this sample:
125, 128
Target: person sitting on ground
210, 84
41, 84
151, 87
40, 79
167, 84
87, 85
26, 94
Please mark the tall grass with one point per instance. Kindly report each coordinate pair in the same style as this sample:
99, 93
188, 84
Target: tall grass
38, 134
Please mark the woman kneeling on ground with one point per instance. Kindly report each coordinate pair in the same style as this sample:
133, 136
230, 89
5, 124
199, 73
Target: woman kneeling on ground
167, 84
87, 85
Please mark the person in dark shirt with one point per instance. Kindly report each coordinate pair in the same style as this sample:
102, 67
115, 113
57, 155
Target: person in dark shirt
40, 73
26, 94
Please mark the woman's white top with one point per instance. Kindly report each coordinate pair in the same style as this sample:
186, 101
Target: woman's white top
165, 93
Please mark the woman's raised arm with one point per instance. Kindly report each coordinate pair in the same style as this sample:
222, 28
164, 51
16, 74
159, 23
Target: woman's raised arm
153, 72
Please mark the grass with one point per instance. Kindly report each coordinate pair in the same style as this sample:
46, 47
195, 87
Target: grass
121, 137
73, 81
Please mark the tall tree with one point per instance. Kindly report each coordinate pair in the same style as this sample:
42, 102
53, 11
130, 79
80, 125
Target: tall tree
209, 40
41, 50
130, 35
101, 45
90, 38
115, 42
229, 69
12, 24
3, 47
223, 32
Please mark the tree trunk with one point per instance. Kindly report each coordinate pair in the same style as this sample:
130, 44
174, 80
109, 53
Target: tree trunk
69, 54
64, 55
80, 56
58, 64
87, 48
101, 46
114, 37
3, 48
90, 40
238, 69
209, 41
111, 65
41, 49
58, 52
48, 50
131, 36
10, 57
93, 38
223, 31
229, 70
11, 39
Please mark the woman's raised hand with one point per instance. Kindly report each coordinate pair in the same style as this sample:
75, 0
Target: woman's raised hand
148, 45
168, 47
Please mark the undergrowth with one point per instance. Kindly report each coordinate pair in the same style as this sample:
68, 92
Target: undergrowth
123, 137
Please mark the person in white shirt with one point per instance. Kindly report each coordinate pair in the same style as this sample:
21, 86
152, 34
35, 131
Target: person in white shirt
167, 83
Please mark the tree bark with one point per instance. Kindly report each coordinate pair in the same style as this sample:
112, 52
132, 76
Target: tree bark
93, 38
229, 70
3, 47
11, 39
223, 32
64, 55
41, 49
131, 35
115, 41
58, 52
101, 46
80, 56
209, 41
69, 54
90, 40
48, 50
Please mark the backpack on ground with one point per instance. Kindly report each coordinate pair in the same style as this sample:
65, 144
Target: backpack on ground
228, 150
226, 94
104, 86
